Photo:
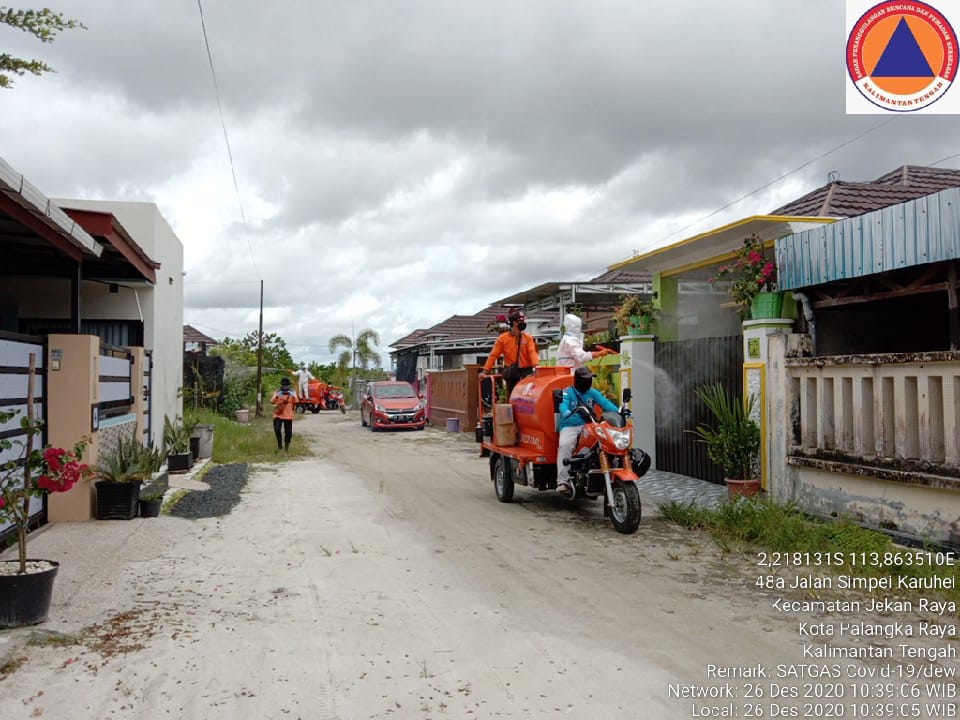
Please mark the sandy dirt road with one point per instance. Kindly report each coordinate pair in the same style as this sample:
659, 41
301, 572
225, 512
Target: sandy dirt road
381, 578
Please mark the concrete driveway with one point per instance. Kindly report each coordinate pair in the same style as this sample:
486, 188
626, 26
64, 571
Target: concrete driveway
381, 578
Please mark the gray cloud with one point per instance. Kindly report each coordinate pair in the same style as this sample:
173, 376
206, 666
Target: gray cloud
399, 162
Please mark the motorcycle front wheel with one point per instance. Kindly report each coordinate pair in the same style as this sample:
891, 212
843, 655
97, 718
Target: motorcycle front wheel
625, 508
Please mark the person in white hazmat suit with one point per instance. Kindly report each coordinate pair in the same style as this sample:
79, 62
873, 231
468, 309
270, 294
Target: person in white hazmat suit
571, 353
303, 377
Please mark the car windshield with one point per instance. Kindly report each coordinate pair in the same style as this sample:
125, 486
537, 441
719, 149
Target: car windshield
393, 391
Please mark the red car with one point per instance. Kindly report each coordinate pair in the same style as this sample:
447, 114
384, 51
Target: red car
392, 404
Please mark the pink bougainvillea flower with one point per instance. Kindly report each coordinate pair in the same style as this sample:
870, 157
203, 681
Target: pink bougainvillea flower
53, 457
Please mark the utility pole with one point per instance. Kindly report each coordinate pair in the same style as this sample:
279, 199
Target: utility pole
260, 358
353, 364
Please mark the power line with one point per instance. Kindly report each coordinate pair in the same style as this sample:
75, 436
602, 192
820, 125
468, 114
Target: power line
766, 185
226, 138
944, 159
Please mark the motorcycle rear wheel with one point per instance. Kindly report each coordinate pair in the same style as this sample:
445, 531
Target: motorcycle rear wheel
503, 480
625, 509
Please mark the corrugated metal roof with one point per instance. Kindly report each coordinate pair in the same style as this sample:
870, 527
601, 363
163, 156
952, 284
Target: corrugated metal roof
924, 230
16, 186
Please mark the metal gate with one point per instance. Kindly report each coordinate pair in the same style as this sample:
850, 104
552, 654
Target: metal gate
682, 366
147, 390
15, 351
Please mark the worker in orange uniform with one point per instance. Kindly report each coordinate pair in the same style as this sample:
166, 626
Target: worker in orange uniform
518, 349
284, 401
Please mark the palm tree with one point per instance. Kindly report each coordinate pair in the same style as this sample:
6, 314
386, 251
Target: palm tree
359, 349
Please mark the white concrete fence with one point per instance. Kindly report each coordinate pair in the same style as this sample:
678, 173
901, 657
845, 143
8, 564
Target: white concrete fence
905, 407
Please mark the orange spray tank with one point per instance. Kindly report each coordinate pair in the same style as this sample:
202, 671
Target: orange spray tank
533, 409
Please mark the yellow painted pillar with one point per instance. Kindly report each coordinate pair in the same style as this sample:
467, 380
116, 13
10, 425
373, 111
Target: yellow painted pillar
755, 333
637, 372
73, 363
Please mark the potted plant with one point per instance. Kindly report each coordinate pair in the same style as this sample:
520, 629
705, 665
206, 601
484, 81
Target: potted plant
753, 281
150, 503
26, 585
176, 442
734, 442
635, 316
120, 473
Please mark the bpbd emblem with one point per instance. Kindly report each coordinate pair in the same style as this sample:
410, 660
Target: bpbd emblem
902, 56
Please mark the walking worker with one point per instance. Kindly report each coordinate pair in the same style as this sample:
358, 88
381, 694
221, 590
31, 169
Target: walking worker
518, 349
284, 400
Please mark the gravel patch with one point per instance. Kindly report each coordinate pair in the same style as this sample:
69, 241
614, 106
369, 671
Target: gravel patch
226, 483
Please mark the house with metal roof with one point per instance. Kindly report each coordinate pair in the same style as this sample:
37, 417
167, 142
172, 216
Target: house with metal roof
865, 411
91, 298
873, 268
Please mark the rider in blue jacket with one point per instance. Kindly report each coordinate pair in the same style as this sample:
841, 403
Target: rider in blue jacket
580, 393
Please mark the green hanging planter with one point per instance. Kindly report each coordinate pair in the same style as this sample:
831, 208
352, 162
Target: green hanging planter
766, 305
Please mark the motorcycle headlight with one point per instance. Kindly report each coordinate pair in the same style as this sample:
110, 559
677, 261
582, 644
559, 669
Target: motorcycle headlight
621, 440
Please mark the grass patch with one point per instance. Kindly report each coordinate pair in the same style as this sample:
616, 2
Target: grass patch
174, 498
760, 524
252, 442
11, 666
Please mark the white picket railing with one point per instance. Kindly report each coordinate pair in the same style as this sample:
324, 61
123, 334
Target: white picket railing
877, 407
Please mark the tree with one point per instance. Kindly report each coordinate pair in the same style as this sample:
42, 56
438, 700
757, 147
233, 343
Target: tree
240, 357
361, 349
44, 25
276, 357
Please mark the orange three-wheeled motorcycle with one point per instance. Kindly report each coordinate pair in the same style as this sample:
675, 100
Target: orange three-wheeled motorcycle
520, 438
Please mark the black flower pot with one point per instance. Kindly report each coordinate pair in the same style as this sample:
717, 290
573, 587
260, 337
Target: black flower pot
150, 508
117, 500
25, 599
180, 462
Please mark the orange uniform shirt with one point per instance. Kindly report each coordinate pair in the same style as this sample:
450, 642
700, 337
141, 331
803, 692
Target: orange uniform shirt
283, 405
506, 345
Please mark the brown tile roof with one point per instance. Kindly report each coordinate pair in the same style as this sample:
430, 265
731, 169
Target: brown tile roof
413, 338
191, 334
849, 199
624, 276
455, 328
465, 327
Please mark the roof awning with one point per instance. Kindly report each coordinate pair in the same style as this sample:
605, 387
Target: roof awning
554, 296
123, 260
35, 233
706, 250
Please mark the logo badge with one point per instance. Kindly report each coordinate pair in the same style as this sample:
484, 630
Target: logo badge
901, 57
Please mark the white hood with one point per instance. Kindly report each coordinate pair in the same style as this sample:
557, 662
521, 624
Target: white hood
572, 326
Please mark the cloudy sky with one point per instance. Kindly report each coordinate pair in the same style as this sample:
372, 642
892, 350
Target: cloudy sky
399, 161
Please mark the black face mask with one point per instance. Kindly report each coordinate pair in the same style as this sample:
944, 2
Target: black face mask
522, 326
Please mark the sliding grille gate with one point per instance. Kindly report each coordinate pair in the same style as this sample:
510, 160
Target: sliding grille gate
682, 367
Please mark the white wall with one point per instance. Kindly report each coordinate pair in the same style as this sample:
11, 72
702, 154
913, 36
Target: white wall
161, 305
49, 298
